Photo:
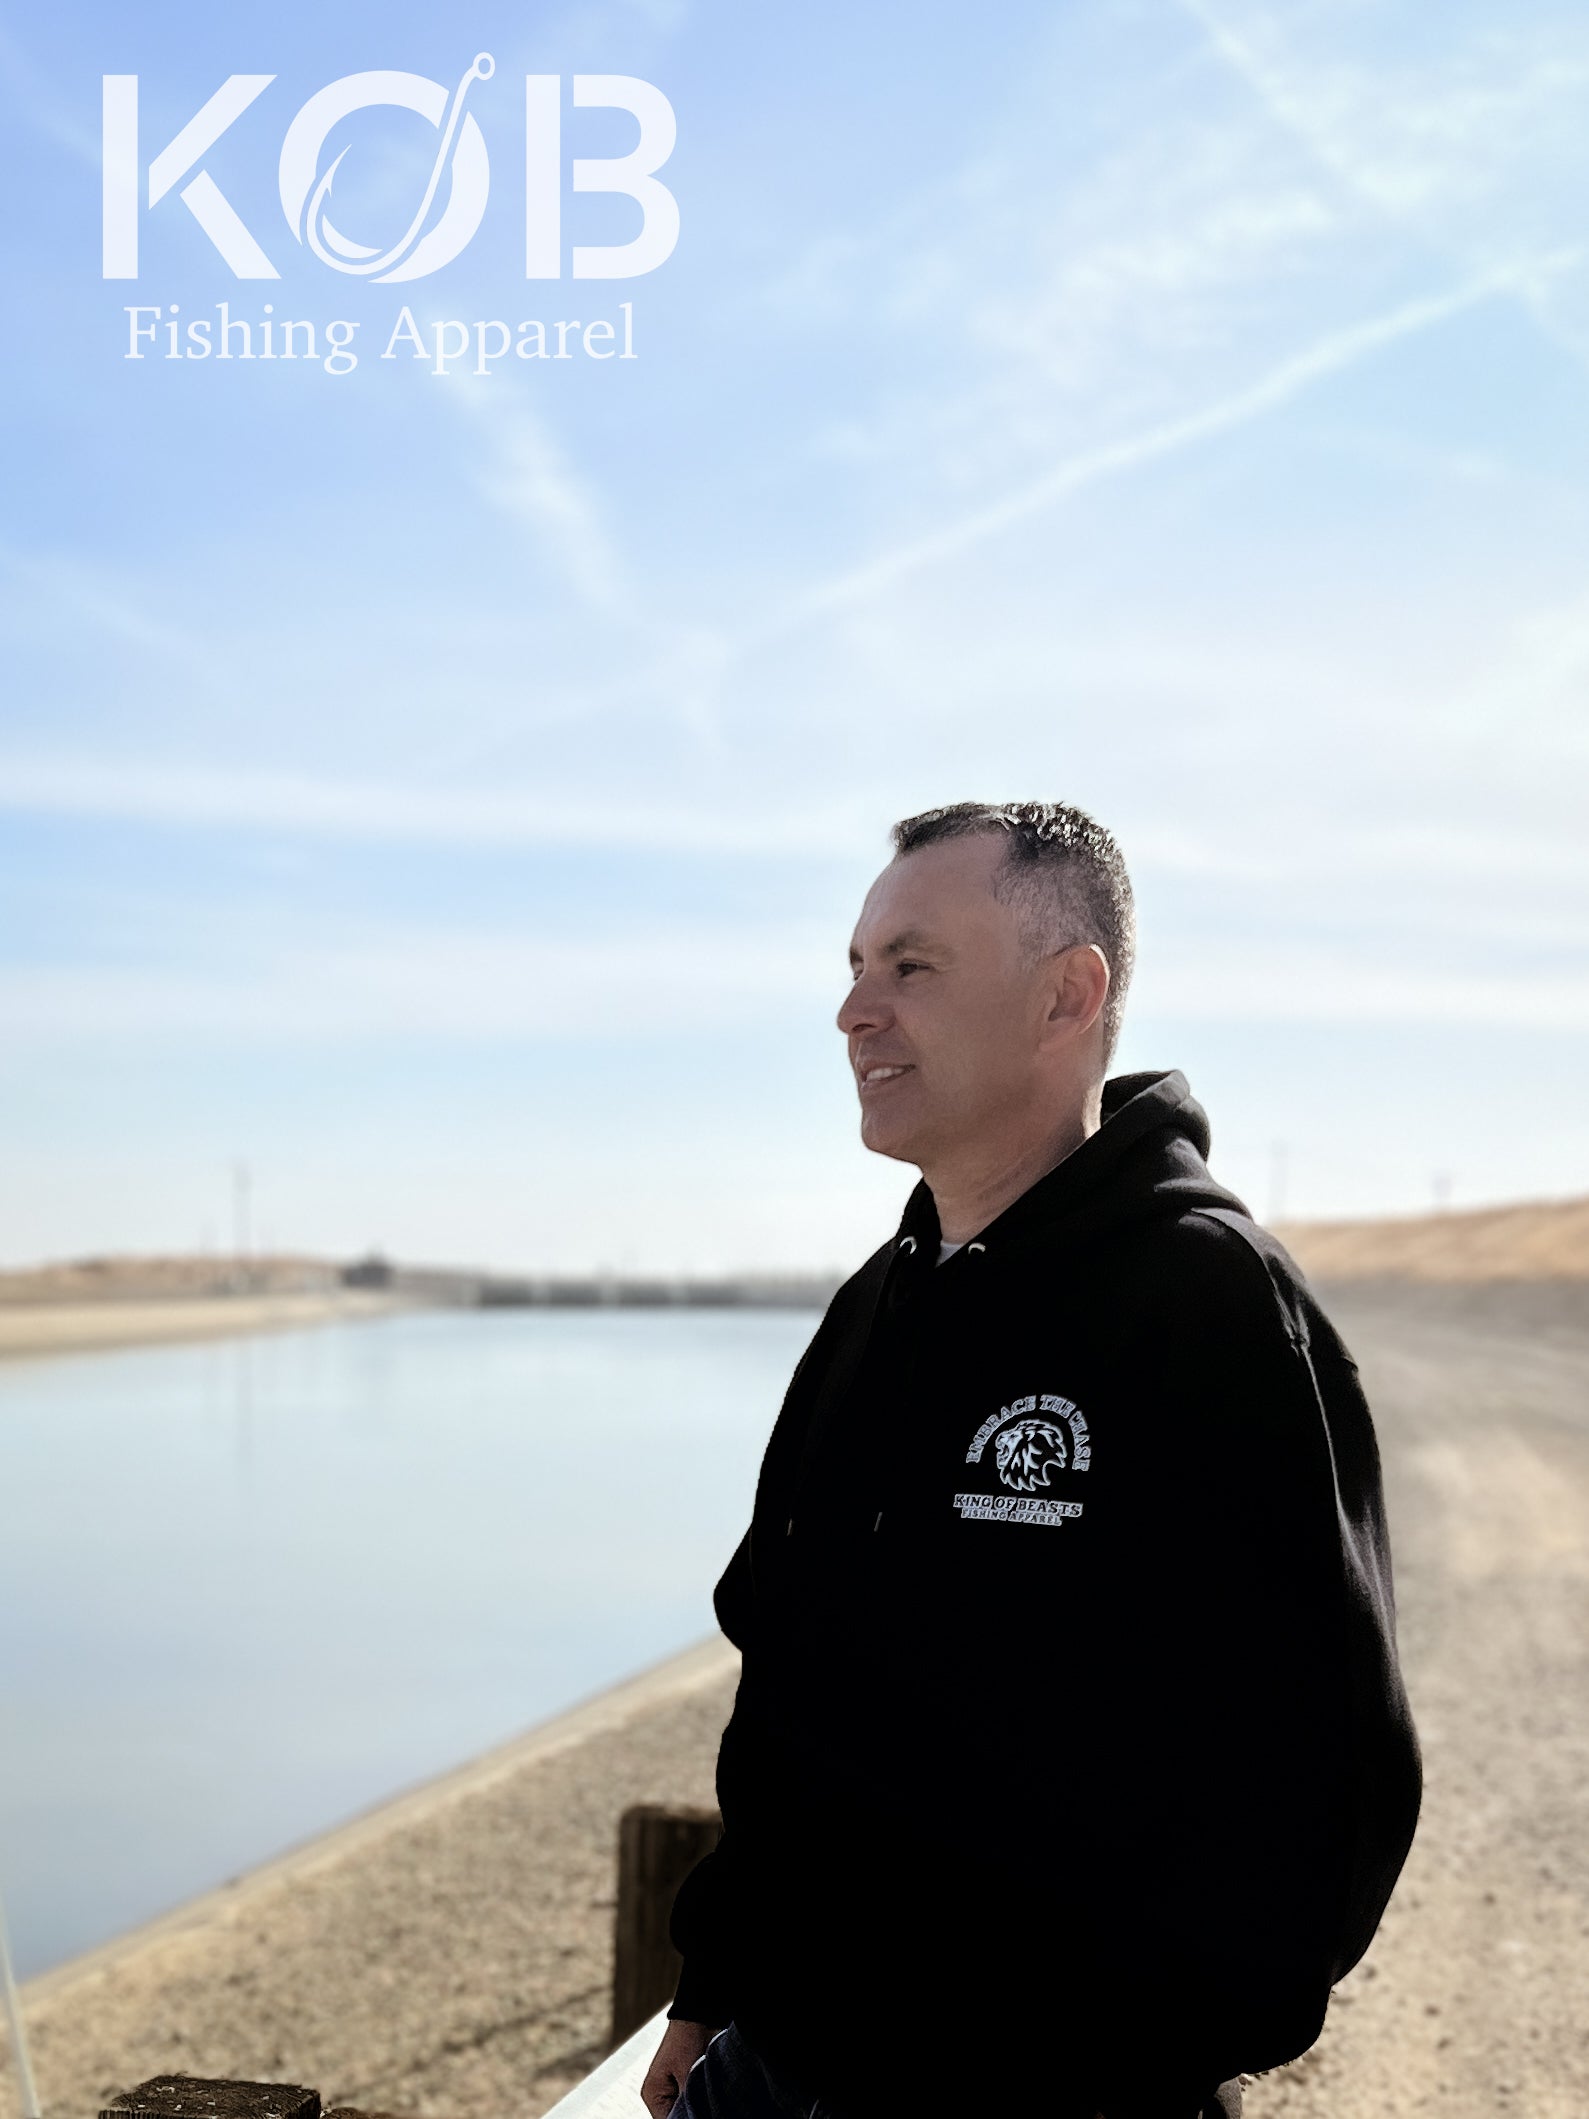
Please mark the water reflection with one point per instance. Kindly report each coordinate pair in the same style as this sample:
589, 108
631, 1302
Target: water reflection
250, 1586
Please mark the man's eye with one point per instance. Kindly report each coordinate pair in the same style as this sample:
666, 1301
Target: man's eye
908, 965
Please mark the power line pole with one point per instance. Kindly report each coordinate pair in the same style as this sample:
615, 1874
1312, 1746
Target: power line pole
242, 1182
1279, 1160
28, 2094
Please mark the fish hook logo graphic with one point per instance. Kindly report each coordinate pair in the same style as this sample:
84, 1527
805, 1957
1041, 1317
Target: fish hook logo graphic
460, 155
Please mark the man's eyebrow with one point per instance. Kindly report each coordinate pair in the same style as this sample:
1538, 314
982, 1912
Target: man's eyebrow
912, 938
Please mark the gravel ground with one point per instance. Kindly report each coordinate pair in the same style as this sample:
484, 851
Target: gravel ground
451, 1955
1475, 1997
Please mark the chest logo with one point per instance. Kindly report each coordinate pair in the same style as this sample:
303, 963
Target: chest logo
1029, 1453
1033, 1438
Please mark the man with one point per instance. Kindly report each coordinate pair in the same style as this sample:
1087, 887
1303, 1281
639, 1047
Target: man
1070, 1764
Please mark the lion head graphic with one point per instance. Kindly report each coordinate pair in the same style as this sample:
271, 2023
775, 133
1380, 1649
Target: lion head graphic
1029, 1452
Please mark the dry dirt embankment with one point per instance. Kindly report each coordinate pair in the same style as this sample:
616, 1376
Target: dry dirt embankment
87, 1304
85, 1327
1535, 1240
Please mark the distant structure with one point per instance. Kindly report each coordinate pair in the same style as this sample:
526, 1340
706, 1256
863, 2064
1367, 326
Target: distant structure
766, 1291
371, 1271
242, 1266
198, 1276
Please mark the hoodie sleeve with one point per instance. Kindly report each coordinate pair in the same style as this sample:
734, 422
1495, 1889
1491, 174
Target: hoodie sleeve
707, 1926
1268, 1763
700, 1928
703, 1923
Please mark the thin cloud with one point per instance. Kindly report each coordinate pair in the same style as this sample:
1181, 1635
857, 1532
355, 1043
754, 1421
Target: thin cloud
1277, 854
528, 476
429, 985
112, 608
1430, 155
1410, 141
34, 100
1274, 984
1330, 356
434, 987
300, 804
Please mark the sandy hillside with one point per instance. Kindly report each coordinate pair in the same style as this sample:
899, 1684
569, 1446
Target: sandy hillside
81, 1305
178, 1278
37, 1329
1533, 1240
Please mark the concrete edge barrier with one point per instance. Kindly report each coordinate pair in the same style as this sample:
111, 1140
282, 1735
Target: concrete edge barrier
612, 2091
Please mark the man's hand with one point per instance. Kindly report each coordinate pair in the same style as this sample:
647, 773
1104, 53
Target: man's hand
682, 2045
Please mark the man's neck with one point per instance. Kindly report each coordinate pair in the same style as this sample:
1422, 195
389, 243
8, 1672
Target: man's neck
975, 1191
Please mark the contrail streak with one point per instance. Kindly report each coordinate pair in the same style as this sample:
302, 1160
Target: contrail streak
1298, 373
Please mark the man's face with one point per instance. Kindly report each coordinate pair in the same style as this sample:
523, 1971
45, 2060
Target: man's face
944, 1015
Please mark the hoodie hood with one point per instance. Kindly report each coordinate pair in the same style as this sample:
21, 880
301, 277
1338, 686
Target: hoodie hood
1146, 1160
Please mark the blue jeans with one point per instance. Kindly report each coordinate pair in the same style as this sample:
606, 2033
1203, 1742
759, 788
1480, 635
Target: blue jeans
729, 2081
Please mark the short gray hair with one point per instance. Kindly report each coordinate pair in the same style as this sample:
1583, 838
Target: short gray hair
1063, 875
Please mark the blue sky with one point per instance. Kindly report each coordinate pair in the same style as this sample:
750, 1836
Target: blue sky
452, 793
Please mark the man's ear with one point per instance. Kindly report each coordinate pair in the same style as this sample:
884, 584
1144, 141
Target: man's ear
1080, 986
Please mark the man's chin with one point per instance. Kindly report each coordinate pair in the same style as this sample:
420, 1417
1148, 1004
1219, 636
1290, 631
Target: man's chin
883, 1137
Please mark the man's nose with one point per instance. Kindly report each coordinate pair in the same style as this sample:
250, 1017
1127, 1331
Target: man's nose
865, 1008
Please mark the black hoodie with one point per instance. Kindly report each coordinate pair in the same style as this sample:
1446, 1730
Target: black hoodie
1070, 1758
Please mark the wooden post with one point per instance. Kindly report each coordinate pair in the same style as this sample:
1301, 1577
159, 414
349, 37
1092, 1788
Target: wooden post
195, 2097
657, 1849
200, 2097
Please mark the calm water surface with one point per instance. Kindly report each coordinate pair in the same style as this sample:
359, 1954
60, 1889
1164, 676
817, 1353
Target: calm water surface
249, 1588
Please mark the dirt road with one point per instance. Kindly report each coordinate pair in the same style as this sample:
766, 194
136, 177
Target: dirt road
1475, 1997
